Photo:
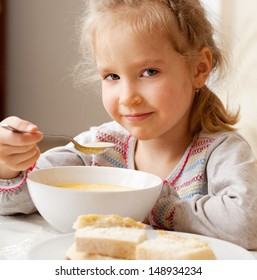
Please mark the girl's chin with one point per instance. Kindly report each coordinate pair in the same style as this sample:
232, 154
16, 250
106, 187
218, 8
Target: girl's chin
140, 136
139, 132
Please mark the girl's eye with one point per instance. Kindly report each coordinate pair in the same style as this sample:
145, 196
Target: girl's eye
112, 77
149, 72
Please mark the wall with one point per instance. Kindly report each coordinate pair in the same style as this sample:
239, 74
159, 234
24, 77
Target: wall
42, 49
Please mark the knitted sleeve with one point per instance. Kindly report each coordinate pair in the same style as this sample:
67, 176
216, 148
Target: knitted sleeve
226, 207
14, 198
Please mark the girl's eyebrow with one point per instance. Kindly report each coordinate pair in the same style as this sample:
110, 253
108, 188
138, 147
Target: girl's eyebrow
103, 68
150, 62
139, 64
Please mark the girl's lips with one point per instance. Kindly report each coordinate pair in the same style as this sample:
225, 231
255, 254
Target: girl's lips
138, 117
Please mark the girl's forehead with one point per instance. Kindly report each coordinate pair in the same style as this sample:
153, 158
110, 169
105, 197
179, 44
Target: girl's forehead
119, 38
130, 50
145, 29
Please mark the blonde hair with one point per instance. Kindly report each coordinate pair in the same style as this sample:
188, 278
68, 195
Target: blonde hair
185, 24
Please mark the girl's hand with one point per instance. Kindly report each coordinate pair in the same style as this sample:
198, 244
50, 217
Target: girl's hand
18, 151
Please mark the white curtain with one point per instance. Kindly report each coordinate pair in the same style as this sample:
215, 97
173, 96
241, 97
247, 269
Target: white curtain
237, 24
240, 27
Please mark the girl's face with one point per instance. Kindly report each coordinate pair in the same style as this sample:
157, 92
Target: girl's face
147, 86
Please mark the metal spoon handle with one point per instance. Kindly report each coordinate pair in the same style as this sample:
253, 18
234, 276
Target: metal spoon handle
75, 143
90, 148
59, 135
13, 129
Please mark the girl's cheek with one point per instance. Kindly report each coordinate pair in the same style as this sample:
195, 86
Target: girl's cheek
108, 103
110, 98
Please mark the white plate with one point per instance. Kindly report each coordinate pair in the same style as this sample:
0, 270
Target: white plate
55, 248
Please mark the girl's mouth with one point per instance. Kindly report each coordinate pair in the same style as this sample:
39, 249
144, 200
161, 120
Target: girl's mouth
138, 117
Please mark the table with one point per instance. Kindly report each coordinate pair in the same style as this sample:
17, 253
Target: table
20, 232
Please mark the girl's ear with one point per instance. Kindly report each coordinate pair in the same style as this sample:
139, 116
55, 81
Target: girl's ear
202, 69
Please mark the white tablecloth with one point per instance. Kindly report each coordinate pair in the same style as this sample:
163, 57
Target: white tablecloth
20, 232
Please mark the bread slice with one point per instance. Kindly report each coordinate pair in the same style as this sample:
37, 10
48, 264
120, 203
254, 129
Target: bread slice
173, 247
96, 220
73, 254
115, 242
108, 237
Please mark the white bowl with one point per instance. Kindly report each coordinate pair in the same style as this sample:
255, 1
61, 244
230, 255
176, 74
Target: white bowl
60, 207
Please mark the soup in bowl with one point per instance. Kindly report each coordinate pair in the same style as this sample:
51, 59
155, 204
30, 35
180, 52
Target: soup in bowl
94, 187
61, 194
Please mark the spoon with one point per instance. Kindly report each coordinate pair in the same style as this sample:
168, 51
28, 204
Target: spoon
89, 148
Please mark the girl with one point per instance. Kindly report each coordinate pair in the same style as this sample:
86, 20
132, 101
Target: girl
153, 58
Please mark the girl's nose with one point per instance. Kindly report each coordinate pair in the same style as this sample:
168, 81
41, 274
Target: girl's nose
130, 95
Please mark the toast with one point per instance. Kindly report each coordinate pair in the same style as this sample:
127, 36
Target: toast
73, 254
115, 242
106, 237
112, 237
106, 221
174, 247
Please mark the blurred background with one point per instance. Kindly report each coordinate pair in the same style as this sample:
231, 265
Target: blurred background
39, 48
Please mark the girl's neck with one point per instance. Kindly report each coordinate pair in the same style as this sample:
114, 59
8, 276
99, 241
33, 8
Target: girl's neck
160, 156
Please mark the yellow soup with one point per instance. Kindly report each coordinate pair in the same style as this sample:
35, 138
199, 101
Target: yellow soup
96, 187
